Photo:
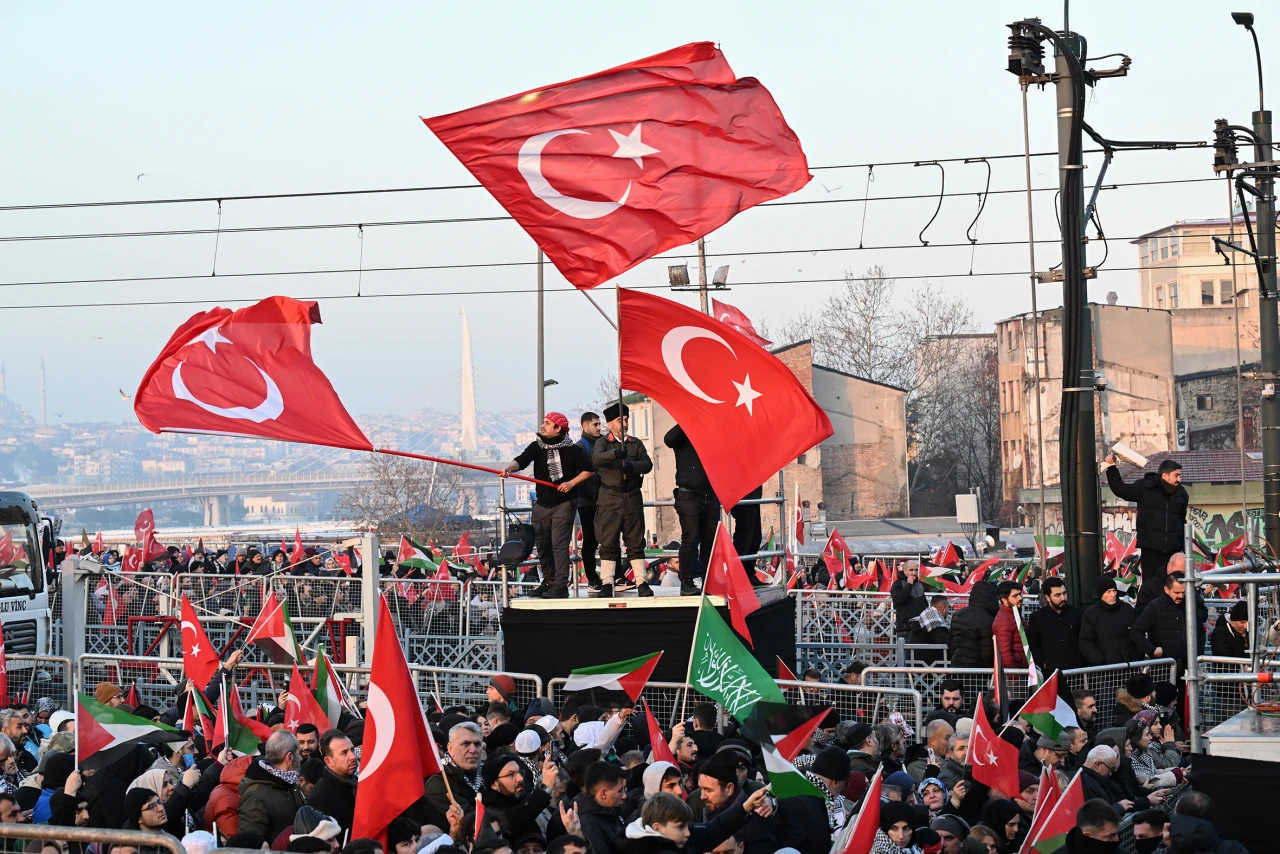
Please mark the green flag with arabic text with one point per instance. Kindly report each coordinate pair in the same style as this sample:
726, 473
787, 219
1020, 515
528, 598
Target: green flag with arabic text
723, 669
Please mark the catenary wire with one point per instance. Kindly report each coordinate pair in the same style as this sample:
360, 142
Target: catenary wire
527, 290
433, 188
259, 229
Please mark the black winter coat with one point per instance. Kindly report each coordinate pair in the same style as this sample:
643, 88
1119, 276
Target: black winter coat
335, 797
909, 602
1188, 834
1104, 633
970, 644
1054, 638
1161, 514
521, 813
802, 825
1163, 624
757, 835
1225, 641
939, 636
601, 826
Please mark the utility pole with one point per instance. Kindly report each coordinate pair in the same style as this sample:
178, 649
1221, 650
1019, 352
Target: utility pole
1077, 432
542, 374
702, 276
1263, 252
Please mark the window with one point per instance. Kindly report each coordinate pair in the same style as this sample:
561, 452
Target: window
1153, 248
1225, 296
1142, 254
1164, 248
1173, 296
1174, 243
1160, 296
1206, 293
1204, 401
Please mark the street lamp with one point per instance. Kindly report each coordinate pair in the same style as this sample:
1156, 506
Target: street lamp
1245, 19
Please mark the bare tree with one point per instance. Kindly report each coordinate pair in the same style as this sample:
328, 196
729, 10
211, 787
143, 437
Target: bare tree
403, 496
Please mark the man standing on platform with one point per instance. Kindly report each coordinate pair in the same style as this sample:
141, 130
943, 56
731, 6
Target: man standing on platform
587, 501
696, 506
1162, 512
1053, 631
747, 532
1005, 627
558, 459
622, 463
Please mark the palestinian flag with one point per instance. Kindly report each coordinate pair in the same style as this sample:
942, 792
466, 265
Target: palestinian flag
1032, 676
1124, 583
105, 734
768, 547
228, 730
1021, 577
788, 727
1052, 549
999, 686
1230, 552
629, 676
785, 780
1051, 836
937, 577
324, 684
1048, 712
1201, 548
414, 555
85, 545
1045, 800
785, 673
273, 631
198, 710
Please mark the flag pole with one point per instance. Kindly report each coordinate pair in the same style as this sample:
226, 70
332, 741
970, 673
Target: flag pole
697, 623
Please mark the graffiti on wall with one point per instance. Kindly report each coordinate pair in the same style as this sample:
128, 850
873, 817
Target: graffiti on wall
1217, 528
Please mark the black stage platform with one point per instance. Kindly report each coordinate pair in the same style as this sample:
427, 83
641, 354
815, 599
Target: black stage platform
552, 637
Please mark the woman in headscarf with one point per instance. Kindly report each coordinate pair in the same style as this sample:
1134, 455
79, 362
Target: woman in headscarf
173, 798
894, 835
44, 708
1006, 819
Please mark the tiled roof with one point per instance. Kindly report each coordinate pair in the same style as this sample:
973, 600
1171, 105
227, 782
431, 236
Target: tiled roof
1202, 466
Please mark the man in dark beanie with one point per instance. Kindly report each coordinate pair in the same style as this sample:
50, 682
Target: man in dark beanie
720, 791
506, 793
1104, 628
806, 823
1231, 633
556, 459
622, 463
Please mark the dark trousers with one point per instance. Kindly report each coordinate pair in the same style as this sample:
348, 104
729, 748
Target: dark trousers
699, 515
587, 519
747, 532
620, 513
1153, 564
552, 530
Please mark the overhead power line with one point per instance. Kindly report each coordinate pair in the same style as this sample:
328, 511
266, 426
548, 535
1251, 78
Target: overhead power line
258, 229
445, 187
529, 290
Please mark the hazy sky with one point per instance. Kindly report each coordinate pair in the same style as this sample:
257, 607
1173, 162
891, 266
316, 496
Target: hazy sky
240, 98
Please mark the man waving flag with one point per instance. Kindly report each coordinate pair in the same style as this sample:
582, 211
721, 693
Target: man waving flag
740, 406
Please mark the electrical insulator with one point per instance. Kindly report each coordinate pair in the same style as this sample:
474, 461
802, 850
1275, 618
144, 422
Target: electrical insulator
1224, 144
1026, 55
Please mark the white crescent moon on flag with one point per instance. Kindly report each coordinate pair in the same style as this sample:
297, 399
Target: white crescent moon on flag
187, 624
271, 407
384, 720
293, 701
673, 356
530, 166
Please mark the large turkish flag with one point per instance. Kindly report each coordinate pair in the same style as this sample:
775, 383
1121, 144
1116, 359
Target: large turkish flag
607, 170
247, 372
740, 406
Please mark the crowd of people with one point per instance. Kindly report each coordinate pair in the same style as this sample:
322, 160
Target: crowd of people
585, 779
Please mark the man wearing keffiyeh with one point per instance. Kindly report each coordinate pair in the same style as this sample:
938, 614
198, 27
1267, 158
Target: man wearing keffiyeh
557, 459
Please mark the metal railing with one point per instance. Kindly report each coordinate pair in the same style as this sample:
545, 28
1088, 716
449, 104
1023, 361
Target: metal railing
137, 839
36, 676
668, 700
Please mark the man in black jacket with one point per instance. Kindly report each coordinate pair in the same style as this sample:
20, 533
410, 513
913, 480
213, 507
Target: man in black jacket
720, 790
586, 501
557, 459
1162, 512
1161, 629
506, 794
1104, 628
971, 643
335, 794
622, 462
696, 506
1231, 633
907, 594
601, 805
930, 629
1053, 631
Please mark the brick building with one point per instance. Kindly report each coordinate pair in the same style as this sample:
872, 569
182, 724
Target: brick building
1208, 412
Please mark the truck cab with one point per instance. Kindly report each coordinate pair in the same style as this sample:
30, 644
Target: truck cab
25, 539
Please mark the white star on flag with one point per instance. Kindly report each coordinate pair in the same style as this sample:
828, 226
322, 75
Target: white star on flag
212, 338
631, 147
746, 394
195, 650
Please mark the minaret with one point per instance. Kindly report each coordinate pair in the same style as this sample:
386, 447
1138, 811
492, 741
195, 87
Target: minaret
43, 421
468, 391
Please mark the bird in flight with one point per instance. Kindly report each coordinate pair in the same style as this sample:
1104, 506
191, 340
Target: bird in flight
141, 175
124, 396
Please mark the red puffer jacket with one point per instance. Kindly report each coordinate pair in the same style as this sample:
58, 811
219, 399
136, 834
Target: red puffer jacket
1007, 640
223, 809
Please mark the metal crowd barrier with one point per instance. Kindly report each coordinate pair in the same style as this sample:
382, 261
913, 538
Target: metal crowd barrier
137, 839
831, 660
160, 681
668, 700
1103, 681
1220, 701
34, 676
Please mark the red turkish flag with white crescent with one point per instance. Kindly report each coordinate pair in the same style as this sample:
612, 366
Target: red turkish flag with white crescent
727, 577
741, 407
608, 170
391, 774
734, 317
300, 706
247, 372
199, 658
143, 525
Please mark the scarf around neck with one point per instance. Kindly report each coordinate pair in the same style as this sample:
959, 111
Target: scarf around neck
833, 802
290, 777
554, 468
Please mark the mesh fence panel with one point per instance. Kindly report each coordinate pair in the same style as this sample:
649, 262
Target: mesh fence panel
128, 614
34, 676
1220, 701
1104, 681
927, 681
